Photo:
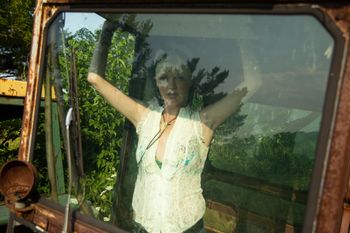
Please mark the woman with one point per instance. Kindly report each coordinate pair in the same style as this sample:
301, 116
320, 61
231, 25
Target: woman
173, 142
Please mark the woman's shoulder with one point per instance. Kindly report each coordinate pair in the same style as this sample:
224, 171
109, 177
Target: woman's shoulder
152, 109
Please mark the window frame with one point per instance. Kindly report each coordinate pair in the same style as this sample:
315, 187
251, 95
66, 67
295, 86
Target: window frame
330, 127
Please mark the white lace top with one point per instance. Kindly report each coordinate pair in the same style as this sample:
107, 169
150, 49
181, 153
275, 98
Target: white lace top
169, 199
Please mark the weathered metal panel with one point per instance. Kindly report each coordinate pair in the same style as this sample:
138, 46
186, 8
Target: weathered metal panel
11, 101
50, 218
41, 17
337, 165
13, 88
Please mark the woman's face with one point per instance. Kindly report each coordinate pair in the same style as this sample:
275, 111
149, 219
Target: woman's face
174, 86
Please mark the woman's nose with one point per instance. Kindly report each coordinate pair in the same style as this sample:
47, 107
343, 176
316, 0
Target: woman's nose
172, 83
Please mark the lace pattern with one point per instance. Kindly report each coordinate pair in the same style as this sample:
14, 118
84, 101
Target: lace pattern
170, 199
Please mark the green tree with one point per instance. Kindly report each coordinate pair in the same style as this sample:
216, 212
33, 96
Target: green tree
16, 19
100, 141
9, 139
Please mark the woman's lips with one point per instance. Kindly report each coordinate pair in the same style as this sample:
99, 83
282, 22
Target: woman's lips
172, 95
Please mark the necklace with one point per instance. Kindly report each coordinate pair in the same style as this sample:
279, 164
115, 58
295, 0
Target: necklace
162, 128
164, 124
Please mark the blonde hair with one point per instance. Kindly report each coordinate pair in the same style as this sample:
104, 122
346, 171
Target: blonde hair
174, 60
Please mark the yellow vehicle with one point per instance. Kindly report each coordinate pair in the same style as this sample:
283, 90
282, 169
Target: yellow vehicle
279, 164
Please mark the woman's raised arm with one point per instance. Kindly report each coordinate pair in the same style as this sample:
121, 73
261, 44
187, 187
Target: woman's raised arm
130, 108
215, 114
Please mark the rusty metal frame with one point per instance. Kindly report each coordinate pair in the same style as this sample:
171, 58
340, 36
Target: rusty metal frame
331, 174
47, 216
32, 100
335, 173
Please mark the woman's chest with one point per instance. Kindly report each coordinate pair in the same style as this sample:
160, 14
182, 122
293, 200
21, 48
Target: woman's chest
162, 143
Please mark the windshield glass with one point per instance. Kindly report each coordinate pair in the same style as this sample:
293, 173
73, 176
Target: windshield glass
189, 121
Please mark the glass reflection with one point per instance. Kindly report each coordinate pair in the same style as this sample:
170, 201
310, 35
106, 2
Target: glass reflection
258, 81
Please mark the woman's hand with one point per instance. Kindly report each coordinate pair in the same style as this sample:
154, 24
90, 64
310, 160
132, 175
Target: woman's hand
99, 58
240, 92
